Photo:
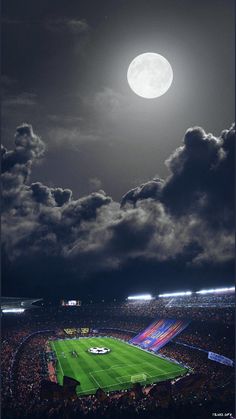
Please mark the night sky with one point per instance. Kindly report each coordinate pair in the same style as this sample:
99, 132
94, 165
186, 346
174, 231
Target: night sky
106, 193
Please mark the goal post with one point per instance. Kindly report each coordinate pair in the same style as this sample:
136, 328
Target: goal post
138, 378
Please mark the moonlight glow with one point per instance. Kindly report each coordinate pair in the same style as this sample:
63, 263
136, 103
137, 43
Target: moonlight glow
150, 75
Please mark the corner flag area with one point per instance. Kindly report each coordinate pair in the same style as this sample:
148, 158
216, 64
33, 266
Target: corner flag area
111, 364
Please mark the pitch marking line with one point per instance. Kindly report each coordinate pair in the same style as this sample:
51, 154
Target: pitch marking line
158, 369
115, 384
164, 373
95, 379
86, 391
129, 365
121, 366
119, 379
101, 386
58, 361
117, 366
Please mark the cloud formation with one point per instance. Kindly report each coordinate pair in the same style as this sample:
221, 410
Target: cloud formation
188, 216
95, 184
201, 178
17, 164
70, 137
23, 99
74, 26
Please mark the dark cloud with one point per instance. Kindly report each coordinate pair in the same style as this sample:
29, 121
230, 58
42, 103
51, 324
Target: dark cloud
23, 99
201, 179
50, 196
187, 217
74, 26
28, 147
151, 189
16, 165
62, 196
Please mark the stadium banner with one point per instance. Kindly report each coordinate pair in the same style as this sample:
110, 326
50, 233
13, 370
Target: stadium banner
159, 333
221, 359
71, 303
70, 331
84, 330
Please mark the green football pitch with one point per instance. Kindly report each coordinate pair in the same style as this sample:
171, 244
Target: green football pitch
116, 370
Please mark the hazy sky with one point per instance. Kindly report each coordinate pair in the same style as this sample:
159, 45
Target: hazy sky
64, 71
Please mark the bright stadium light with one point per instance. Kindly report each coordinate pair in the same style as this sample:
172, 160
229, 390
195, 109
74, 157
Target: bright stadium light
140, 297
216, 290
13, 310
176, 294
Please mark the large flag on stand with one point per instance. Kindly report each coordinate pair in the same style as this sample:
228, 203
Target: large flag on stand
53, 391
70, 382
137, 391
49, 390
101, 395
162, 392
187, 384
69, 388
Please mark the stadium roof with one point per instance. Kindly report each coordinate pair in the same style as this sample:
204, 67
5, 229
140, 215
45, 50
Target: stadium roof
14, 303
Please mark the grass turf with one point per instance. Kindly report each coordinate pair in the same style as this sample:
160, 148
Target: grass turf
111, 371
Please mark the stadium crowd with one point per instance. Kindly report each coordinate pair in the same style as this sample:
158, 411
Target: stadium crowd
213, 374
121, 407
9, 344
160, 308
218, 338
177, 308
209, 330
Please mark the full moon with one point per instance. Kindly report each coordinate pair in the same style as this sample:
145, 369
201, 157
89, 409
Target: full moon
150, 75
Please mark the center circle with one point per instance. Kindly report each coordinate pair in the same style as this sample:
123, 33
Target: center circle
99, 350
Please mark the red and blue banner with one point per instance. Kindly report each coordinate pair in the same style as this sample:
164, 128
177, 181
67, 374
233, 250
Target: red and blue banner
159, 333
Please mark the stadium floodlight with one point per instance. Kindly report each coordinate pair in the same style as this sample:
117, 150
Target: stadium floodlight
13, 310
176, 294
216, 290
140, 297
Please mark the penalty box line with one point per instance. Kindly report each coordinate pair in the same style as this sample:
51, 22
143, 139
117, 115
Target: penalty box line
101, 386
132, 365
119, 379
115, 367
164, 373
94, 379
125, 366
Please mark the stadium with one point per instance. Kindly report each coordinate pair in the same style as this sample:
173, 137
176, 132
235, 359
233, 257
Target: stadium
164, 356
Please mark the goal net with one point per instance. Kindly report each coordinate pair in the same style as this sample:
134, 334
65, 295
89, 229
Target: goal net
137, 378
